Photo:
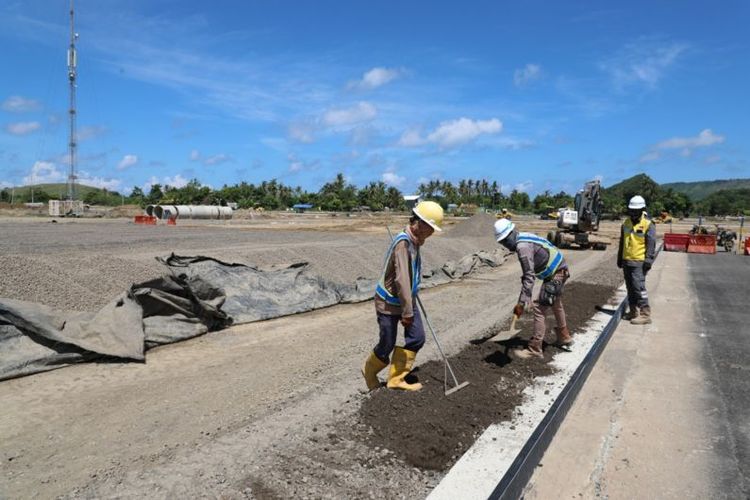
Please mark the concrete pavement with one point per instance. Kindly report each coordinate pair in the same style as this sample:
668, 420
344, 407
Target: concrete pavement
659, 416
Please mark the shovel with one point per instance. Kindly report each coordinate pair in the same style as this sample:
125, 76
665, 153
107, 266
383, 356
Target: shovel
511, 332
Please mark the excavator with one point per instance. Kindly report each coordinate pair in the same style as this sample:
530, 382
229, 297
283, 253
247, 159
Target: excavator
579, 226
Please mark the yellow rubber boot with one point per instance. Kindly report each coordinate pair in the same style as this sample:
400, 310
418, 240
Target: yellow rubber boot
402, 362
373, 365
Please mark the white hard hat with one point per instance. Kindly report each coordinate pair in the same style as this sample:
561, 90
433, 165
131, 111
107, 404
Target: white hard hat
503, 227
637, 202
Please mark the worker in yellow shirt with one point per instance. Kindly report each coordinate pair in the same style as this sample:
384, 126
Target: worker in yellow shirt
635, 257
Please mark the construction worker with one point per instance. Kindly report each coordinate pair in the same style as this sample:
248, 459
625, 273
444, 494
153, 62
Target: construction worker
539, 259
395, 300
635, 257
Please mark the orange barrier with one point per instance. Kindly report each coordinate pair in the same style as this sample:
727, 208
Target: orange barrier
676, 242
747, 246
145, 219
172, 221
702, 243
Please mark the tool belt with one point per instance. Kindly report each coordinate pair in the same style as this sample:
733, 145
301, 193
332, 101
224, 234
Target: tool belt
552, 288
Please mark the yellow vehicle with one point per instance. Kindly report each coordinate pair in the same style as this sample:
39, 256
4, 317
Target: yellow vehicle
504, 214
550, 213
663, 218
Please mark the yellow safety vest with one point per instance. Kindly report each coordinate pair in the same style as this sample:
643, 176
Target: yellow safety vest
634, 239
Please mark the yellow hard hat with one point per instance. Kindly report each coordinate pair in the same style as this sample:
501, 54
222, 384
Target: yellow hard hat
431, 213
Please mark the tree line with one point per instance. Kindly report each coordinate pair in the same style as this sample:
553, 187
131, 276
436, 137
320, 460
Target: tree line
466, 195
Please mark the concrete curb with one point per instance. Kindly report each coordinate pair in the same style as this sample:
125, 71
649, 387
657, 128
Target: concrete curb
475, 483
514, 481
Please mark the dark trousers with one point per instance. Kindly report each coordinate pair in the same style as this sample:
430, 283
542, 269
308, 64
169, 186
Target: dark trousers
413, 336
635, 282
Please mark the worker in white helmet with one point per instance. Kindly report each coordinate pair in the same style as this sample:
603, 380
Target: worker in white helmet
539, 259
395, 301
635, 257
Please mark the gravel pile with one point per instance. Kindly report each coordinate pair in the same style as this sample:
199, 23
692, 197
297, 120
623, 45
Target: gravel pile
83, 265
479, 225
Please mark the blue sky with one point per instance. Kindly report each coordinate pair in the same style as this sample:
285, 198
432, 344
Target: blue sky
535, 95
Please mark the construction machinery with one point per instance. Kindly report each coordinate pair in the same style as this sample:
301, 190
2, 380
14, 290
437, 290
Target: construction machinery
578, 226
504, 214
725, 238
550, 213
663, 218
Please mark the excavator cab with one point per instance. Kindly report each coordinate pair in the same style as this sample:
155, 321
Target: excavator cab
579, 225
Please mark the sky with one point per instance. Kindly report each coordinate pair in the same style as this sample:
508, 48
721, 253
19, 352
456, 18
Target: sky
534, 95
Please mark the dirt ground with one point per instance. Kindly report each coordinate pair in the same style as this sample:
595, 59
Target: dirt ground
275, 409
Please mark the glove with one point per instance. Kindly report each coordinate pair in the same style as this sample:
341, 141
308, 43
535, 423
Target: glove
646, 267
518, 309
407, 321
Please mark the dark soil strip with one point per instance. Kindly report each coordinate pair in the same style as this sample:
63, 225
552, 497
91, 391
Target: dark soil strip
431, 431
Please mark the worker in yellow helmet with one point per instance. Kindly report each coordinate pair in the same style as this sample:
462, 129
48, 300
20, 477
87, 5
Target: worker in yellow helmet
395, 301
635, 257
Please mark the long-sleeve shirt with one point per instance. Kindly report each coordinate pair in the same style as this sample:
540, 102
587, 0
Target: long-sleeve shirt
650, 247
532, 258
398, 279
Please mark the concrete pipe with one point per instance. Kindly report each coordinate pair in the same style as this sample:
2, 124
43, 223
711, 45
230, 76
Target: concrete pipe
150, 210
211, 212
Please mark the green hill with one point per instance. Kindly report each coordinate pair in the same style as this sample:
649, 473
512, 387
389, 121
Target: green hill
45, 192
701, 189
658, 198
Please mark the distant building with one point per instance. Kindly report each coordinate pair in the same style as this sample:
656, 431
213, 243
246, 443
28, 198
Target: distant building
302, 207
411, 200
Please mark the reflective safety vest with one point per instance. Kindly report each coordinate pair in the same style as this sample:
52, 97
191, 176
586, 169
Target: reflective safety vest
555, 256
416, 271
634, 239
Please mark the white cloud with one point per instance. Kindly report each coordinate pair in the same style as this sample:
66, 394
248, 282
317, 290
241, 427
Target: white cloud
524, 187
411, 138
513, 143
44, 172
527, 74
375, 78
99, 182
4, 184
127, 162
177, 181
644, 62
650, 156
90, 132
705, 138
297, 165
302, 131
391, 178
686, 145
217, 159
361, 112
18, 104
22, 128
458, 132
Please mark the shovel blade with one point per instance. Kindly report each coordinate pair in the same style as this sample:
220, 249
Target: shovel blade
508, 334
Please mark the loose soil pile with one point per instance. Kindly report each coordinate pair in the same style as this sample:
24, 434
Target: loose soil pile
479, 225
429, 430
399, 444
